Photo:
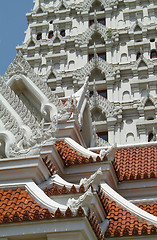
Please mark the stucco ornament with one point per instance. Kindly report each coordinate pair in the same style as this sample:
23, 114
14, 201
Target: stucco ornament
106, 33
96, 62
20, 66
86, 5
26, 116
94, 179
64, 110
100, 142
108, 108
83, 201
32, 145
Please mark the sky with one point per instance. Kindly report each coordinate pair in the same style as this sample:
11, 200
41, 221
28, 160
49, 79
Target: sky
13, 24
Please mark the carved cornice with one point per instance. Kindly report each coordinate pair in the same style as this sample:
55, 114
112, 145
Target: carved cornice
108, 108
145, 60
18, 106
86, 5
106, 33
20, 66
62, 2
10, 123
96, 62
144, 100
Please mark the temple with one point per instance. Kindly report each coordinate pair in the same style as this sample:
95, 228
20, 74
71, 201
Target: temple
78, 107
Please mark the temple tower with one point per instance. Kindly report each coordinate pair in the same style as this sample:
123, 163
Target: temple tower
110, 43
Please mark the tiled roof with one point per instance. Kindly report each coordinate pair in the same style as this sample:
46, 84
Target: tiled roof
136, 163
149, 207
55, 190
49, 164
71, 157
18, 206
94, 224
122, 222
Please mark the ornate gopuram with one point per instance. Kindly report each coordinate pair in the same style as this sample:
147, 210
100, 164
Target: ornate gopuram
78, 125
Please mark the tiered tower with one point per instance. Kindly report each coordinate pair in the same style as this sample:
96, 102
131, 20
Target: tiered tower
85, 67
110, 43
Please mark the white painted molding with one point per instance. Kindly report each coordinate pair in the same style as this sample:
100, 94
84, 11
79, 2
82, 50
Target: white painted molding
80, 149
57, 180
138, 145
133, 209
38, 195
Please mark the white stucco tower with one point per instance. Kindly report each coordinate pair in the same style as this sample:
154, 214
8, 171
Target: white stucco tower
112, 43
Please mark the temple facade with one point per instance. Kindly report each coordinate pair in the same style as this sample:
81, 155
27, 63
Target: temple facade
78, 149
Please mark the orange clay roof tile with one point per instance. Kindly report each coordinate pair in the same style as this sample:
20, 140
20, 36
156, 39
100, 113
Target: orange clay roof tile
122, 222
71, 157
136, 163
26, 209
17, 206
55, 190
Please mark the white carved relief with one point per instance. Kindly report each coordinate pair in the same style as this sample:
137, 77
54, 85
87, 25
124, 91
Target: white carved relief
96, 62
62, 3
93, 180
145, 99
84, 201
108, 108
147, 62
136, 24
21, 67
86, 5
18, 106
106, 33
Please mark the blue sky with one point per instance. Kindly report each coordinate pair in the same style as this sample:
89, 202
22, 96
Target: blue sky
13, 24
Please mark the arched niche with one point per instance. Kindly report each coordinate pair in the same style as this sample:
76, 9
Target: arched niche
96, 6
137, 28
142, 64
71, 65
151, 136
96, 75
57, 40
126, 96
124, 57
2, 148
39, 11
120, 23
62, 7
31, 44
97, 115
130, 138
149, 103
96, 38
150, 118
51, 77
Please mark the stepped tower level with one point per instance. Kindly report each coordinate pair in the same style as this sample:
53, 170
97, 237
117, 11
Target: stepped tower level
110, 43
